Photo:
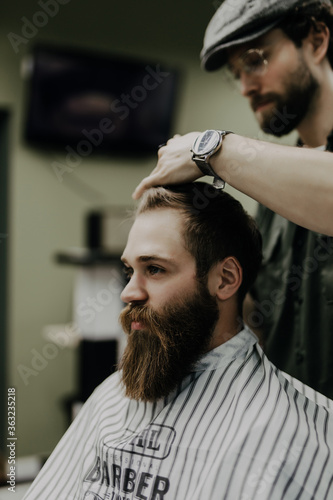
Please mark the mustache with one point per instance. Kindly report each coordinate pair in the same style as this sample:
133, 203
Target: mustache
140, 313
258, 100
152, 321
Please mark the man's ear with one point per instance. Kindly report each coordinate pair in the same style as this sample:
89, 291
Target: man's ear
318, 41
229, 277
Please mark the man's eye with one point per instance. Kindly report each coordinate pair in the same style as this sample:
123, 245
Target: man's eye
128, 272
155, 270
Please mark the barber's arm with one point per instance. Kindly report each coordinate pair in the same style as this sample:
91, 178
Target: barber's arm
296, 183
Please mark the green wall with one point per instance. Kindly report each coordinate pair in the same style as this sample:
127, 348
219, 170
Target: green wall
47, 215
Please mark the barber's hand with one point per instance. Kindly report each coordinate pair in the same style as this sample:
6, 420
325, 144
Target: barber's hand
174, 166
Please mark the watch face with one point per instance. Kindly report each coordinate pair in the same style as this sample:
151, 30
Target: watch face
206, 142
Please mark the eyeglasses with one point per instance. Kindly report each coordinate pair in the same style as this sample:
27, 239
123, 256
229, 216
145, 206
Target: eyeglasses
252, 62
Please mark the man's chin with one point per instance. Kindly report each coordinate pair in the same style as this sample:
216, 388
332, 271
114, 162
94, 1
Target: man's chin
137, 326
142, 335
264, 116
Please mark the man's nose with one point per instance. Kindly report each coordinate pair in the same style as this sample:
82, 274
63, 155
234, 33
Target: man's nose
134, 291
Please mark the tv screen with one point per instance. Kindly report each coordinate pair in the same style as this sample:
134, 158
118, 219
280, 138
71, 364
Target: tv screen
102, 103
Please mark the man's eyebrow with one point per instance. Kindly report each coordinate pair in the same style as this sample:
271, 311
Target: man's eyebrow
149, 258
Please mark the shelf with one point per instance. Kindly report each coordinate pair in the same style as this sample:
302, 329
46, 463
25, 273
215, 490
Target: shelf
86, 257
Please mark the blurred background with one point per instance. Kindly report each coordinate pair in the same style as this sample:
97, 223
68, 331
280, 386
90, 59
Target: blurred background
64, 194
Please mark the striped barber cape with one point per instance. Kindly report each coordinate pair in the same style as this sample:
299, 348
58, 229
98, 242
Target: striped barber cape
235, 429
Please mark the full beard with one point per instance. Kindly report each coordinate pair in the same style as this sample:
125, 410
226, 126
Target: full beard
157, 358
290, 109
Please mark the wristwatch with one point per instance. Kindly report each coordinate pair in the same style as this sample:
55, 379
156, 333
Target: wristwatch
205, 145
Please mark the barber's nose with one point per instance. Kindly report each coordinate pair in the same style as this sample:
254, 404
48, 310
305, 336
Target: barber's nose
249, 83
134, 291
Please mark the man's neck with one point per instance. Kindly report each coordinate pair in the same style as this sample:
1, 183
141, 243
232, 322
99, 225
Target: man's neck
228, 325
318, 123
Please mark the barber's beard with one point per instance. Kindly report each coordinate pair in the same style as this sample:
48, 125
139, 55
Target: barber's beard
157, 358
290, 108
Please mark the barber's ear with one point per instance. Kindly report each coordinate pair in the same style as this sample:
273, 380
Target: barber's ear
319, 41
229, 276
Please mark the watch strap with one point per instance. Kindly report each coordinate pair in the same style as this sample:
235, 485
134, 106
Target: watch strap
206, 168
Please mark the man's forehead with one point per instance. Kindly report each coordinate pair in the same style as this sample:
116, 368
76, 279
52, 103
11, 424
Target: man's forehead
156, 232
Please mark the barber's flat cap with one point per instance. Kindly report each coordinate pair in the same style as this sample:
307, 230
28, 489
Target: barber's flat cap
240, 21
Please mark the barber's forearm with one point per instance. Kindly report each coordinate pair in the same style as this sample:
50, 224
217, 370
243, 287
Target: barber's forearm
297, 183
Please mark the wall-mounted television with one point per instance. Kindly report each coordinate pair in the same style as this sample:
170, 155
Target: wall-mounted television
117, 104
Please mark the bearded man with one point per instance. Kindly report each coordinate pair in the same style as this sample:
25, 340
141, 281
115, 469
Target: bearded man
281, 55
196, 410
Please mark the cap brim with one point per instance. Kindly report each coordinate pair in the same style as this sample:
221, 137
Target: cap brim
216, 57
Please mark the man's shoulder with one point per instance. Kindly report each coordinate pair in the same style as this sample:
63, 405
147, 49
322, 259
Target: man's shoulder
293, 387
308, 392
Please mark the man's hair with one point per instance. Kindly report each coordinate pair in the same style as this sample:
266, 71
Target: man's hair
215, 226
307, 15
